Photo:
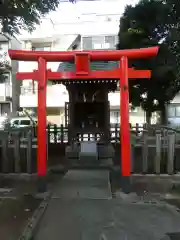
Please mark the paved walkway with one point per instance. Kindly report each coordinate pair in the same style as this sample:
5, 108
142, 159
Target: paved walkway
81, 208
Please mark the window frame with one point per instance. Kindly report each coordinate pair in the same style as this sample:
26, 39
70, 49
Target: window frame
95, 40
27, 120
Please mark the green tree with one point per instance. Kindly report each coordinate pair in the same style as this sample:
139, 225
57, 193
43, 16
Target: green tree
17, 15
173, 39
24, 14
145, 25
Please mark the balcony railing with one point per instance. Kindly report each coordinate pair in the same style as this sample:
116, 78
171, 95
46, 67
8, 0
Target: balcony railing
5, 91
28, 90
8, 90
5, 62
31, 90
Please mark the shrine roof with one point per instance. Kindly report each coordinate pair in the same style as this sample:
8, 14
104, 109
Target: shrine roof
94, 66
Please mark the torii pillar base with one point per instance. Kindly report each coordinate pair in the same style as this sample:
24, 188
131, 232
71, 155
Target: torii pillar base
42, 184
120, 182
126, 185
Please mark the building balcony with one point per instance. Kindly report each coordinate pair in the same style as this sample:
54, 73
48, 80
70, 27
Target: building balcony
5, 92
5, 62
55, 97
114, 99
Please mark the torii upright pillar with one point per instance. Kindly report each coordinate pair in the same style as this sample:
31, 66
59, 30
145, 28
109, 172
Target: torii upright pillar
82, 71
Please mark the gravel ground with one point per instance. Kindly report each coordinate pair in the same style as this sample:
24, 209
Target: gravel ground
17, 205
82, 203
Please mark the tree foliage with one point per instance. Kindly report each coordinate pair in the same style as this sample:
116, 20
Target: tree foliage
16, 15
152, 23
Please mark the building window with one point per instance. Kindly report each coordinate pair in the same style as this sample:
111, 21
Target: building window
45, 48
87, 43
115, 116
174, 111
5, 108
5, 78
133, 109
4, 47
178, 111
25, 122
99, 42
171, 111
8, 85
110, 42
98, 39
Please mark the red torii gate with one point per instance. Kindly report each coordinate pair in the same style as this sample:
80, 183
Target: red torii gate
82, 71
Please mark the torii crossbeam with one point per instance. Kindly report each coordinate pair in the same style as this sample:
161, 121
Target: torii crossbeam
82, 71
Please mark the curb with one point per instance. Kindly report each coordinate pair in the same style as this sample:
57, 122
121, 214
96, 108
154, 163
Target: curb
33, 224
34, 221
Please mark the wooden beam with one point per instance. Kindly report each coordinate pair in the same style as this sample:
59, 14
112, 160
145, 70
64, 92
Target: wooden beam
107, 74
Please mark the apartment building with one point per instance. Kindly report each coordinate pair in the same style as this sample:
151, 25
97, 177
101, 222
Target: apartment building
9, 87
103, 42
56, 94
85, 25
173, 111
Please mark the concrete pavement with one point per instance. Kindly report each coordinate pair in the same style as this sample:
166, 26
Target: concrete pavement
81, 208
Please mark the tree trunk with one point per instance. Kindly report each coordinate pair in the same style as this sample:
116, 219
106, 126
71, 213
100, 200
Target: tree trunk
163, 115
148, 117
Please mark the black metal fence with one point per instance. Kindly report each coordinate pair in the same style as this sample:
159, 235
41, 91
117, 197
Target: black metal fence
151, 153
59, 134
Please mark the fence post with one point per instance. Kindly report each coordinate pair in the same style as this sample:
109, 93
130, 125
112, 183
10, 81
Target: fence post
29, 152
47, 144
137, 129
5, 160
164, 142
158, 152
16, 138
48, 133
55, 133
34, 130
171, 151
145, 151
62, 133
133, 143
132, 158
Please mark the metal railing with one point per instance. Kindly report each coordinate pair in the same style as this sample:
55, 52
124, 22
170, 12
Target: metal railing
25, 90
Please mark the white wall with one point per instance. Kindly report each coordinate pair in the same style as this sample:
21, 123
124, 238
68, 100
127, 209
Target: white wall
114, 99
89, 17
4, 52
10, 88
60, 43
55, 98
4, 58
83, 17
2, 91
176, 99
16, 84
